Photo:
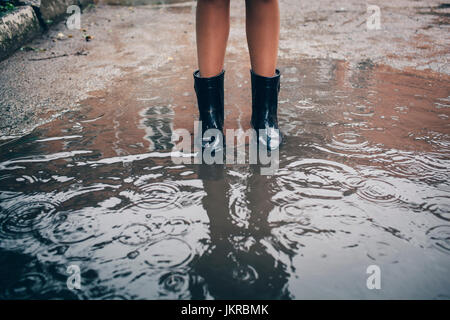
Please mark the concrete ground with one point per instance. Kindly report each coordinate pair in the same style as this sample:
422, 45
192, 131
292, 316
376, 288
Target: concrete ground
61, 69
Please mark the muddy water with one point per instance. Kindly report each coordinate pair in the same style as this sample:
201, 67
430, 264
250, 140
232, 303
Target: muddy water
363, 180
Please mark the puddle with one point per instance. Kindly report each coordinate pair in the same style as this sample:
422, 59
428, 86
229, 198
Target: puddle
363, 180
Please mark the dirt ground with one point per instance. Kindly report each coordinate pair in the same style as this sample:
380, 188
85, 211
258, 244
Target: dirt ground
59, 70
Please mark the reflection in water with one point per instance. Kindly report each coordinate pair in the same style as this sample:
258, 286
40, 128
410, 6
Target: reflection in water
363, 180
238, 264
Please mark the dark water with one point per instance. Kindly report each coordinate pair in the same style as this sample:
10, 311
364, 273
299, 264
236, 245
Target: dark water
363, 180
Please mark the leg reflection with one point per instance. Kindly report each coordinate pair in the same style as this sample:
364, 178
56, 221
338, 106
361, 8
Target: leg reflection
238, 264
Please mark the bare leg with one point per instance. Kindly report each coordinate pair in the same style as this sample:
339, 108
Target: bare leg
212, 28
263, 33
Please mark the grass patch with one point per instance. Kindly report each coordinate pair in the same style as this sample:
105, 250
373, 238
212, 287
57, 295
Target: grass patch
6, 6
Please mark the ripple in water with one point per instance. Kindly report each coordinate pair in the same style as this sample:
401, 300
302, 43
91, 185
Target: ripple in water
133, 255
411, 165
378, 191
313, 178
382, 252
74, 227
26, 217
6, 195
245, 273
176, 226
136, 234
168, 253
174, 285
239, 211
349, 142
439, 206
312, 213
440, 238
363, 111
156, 196
292, 236
294, 211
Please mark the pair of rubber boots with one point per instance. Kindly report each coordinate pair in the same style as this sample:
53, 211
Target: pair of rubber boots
210, 98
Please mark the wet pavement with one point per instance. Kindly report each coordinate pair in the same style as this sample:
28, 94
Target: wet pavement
363, 180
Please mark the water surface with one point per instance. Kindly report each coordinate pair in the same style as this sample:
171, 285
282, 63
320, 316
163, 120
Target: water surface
363, 180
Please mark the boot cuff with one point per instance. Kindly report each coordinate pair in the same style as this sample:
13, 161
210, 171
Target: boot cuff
197, 75
257, 76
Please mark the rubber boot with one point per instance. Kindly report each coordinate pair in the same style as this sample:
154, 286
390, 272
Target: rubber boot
210, 99
264, 109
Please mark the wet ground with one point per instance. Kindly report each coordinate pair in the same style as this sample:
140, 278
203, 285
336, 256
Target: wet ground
363, 180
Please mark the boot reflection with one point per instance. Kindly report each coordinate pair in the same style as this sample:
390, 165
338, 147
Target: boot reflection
237, 264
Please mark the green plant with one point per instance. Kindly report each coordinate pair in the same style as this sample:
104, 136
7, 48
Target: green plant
6, 6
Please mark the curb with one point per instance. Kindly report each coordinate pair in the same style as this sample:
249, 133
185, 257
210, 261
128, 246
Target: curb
31, 19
